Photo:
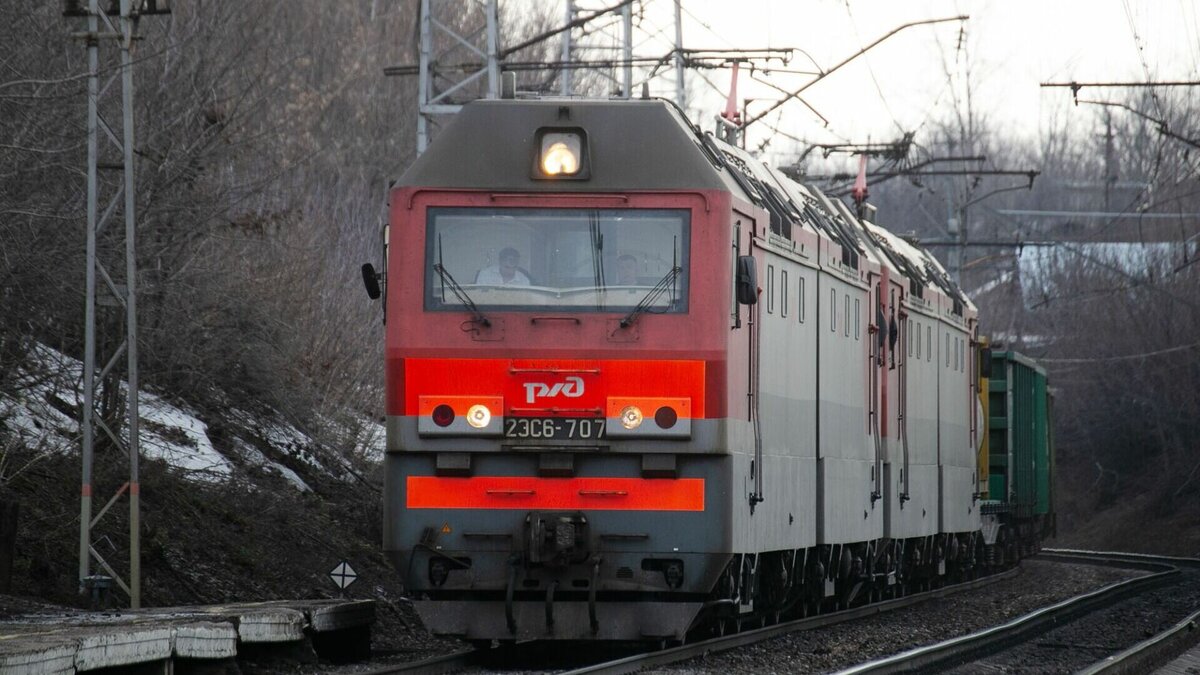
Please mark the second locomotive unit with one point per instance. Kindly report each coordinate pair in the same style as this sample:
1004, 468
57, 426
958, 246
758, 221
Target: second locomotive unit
638, 382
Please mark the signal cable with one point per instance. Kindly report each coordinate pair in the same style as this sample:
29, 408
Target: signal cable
1124, 357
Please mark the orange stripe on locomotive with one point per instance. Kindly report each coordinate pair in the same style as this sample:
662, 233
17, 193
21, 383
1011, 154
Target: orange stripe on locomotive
524, 493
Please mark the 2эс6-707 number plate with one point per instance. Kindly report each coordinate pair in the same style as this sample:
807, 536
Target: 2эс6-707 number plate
554, 428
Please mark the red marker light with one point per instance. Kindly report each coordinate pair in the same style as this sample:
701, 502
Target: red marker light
443, 415
666, 417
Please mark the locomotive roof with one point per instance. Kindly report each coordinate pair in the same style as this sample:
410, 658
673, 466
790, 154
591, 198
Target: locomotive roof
489, 145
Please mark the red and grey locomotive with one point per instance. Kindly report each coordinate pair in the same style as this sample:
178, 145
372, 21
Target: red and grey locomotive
638, 382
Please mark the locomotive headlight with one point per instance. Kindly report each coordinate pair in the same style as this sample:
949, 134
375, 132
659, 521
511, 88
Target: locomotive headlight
479, 416
648, 417
561, 154
560, 159
631, 417
460, 415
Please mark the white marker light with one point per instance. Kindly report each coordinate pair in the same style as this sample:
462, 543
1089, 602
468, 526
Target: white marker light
479, 416
631, 417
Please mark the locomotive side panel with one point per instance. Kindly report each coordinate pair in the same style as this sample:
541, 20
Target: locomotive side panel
920, 425
958, 510
846, 456
911, 469
786, 520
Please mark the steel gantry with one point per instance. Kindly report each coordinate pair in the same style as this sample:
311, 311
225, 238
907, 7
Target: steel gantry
110, 182
437, 84
460, 57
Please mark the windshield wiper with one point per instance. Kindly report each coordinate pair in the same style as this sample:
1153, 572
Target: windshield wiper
668, 281
461, 294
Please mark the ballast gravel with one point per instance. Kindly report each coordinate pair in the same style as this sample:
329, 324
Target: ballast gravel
1088, 639
1039, 584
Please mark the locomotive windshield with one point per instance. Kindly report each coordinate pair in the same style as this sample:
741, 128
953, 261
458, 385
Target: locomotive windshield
609, 260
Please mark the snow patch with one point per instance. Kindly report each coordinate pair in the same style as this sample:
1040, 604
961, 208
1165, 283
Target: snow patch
44, 386
287, 438
40, 412
180, 440
254, 457
51, 381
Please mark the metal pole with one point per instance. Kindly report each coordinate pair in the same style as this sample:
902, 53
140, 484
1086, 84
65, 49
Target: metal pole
423, 76
131, 355
680, 86
627, 19
565, 89
962, 244
89, 312
493, 49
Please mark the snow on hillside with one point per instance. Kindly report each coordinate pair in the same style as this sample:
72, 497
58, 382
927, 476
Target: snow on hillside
42, 413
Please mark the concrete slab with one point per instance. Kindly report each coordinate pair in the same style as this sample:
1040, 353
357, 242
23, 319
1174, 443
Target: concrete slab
48, 643
342, 615
35, 659
271, 625
123, 646
206, 640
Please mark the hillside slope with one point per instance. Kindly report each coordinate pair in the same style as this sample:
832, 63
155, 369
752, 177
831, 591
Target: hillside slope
236, 506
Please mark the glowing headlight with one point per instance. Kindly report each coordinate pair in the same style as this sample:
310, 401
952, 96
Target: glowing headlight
631, 417
479, 416
560, 154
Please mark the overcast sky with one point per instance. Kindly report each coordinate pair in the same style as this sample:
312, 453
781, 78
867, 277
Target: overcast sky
1004, 51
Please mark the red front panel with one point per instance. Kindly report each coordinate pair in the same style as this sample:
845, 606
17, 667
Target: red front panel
552, 387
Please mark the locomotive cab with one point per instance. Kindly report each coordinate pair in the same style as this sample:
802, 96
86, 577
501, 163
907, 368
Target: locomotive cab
557, 325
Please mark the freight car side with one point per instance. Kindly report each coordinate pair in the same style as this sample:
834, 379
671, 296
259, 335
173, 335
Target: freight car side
1019, 508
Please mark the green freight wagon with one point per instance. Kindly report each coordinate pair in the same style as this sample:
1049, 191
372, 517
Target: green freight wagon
1020, 500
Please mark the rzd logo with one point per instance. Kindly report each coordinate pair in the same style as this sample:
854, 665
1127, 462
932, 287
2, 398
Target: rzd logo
572, 388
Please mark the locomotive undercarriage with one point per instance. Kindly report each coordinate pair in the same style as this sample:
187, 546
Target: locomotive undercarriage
600, 573
587, 575
764, 588
608, 595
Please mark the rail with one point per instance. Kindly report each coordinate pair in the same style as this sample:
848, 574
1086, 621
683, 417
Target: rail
1137, 659
996, 638
682, 653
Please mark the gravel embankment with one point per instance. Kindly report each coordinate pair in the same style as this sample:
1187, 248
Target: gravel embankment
1039, 584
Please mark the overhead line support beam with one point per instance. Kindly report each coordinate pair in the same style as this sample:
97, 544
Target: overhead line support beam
827, 73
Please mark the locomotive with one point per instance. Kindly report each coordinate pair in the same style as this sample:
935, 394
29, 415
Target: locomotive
638, 383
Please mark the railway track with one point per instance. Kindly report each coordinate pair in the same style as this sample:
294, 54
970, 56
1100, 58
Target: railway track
967, 653
628, 664
1029, 642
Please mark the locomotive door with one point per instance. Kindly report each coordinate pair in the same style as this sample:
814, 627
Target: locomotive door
745, 349
777, 342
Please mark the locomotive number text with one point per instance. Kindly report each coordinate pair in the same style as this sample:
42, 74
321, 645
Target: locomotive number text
557, 428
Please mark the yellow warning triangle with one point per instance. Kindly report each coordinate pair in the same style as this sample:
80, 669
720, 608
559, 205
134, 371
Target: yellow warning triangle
446, 528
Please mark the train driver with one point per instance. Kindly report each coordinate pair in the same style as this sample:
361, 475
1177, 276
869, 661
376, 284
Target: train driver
506, 273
